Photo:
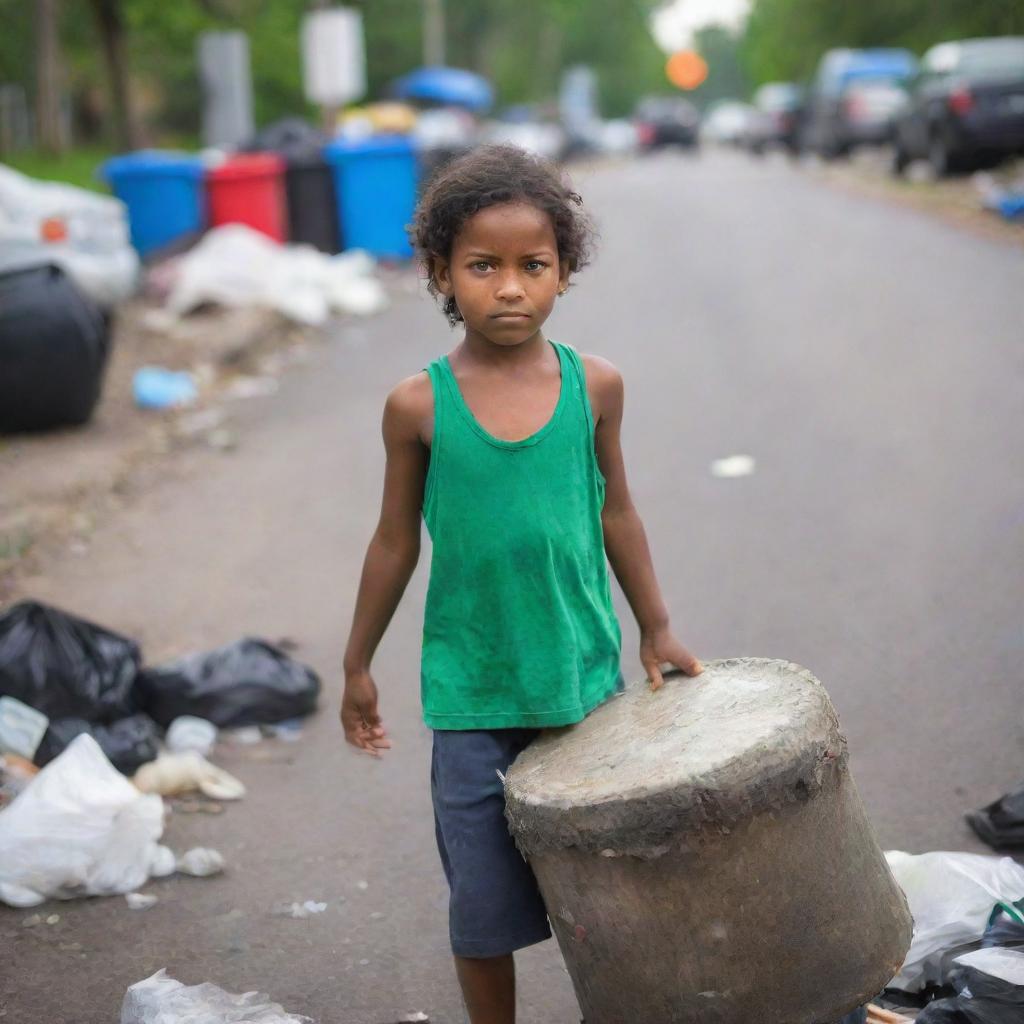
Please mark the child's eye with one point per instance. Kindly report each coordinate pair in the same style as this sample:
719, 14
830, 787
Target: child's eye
535, 265
481, 265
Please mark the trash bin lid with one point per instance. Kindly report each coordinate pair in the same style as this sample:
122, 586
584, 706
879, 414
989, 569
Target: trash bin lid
150, 163
375, 145
747, 735
247, 165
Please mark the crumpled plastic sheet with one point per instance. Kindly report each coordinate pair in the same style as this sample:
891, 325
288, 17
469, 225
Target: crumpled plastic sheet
79, 828
162, 1000
236, 266
951, 897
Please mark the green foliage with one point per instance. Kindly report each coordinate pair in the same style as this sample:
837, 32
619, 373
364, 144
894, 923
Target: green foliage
727, 75
786, 38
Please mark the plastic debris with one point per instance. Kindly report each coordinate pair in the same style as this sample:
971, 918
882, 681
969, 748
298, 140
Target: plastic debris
200, 862
21, 727
244, 683
246, 735
236, 266
733, 466
171, 774
140, 900
101, 832
190, 733
300, 910
155, 387
990, 990
951, 897
161, 999
251, 387
1001, 824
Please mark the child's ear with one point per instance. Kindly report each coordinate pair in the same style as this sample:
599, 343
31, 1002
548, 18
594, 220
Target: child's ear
442, 274
563, 276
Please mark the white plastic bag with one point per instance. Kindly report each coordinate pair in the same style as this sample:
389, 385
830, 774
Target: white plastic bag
951, 896
162, 1000
236, 266
80, 828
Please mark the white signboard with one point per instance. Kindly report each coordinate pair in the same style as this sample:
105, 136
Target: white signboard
333, 56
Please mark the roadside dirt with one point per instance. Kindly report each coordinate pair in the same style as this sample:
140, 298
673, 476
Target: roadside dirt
58, 485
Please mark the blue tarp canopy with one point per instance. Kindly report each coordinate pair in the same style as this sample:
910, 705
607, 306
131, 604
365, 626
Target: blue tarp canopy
453, 86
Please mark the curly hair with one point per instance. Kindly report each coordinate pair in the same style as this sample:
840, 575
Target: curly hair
484, 177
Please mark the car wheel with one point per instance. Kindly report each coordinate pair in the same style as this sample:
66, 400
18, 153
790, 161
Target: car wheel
941, 157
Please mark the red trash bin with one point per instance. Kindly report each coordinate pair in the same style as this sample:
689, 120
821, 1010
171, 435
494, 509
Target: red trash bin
249, 189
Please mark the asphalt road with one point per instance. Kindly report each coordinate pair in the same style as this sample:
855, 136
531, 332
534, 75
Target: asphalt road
867, 357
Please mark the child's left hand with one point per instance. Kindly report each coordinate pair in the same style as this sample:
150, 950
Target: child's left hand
662, 646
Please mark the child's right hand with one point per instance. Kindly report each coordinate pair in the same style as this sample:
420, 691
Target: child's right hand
359, 716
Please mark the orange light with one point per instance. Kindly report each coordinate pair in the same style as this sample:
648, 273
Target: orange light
53, 229
686, 69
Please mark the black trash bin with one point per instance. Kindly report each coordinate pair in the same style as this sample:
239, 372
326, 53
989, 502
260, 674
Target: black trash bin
54, 342
308, 181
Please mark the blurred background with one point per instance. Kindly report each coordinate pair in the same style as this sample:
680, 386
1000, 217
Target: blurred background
810, 270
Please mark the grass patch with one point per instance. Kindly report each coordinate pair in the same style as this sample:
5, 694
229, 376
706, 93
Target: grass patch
75, 167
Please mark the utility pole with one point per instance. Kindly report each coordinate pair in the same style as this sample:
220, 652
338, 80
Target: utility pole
433, 33
48, 77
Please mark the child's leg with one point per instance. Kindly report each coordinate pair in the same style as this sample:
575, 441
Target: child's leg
495, 906
488, 988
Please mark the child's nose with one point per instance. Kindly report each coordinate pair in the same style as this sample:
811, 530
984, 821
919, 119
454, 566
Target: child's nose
509, 287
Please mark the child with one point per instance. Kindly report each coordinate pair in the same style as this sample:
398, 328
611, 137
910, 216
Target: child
509, 446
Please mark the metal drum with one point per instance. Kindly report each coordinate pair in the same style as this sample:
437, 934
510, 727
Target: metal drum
704, 854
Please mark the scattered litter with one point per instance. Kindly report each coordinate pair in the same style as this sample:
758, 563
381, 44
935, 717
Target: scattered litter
164, 863
16, 773
410, 1017
21, 727
190, 733
234, 265
376, 915
362, 885
32, 920
160, 998
1006, 200
203, 421
951, 897
200, 862
244, 683
171, 774
101, 832
733, 466
363, 963
246, 735
990, 990
1001, 824
251, 387
140, 900
290, 731
155, 387
300, 910
53, 919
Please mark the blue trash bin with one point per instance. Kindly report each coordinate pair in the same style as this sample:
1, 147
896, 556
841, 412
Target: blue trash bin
163, 192
375, 182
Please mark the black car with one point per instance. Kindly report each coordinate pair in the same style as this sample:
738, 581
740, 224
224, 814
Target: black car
666, 121
966, 107
779, 110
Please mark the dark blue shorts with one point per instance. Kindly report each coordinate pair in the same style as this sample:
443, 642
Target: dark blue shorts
495, 906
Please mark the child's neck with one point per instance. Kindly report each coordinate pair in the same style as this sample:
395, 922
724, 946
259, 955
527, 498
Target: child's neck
478, 349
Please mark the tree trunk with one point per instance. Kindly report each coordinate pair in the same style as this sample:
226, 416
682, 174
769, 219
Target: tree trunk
110, 23
48, 77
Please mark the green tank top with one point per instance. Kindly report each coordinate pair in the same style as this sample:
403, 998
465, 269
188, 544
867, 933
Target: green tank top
519, 629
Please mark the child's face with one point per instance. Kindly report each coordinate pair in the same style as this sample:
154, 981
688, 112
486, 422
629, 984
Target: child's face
504, 272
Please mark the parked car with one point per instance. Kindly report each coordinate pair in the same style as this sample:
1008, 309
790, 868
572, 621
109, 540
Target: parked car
727, 122
666, 121
966, 107
778, 110
854, 98
84, 233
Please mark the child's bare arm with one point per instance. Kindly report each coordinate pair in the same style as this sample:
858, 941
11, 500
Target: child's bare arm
625, 539
390, 559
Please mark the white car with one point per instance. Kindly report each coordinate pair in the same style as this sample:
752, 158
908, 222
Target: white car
83, 233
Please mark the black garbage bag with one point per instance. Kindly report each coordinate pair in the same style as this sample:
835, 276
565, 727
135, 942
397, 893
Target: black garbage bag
289, 136
249, 682
983, 997
53, 350
1001, 824
64, 666
1005, 930
128, 742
